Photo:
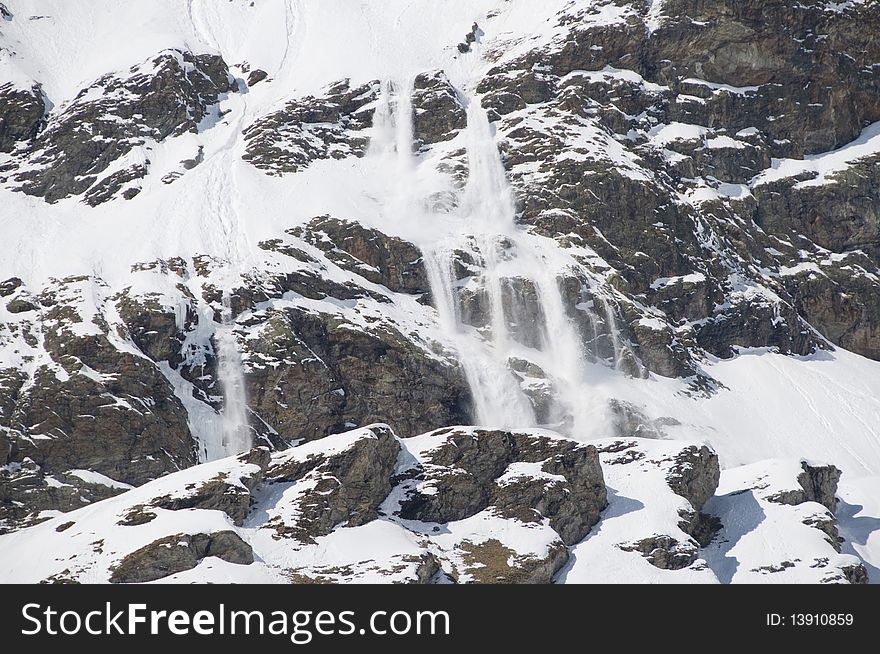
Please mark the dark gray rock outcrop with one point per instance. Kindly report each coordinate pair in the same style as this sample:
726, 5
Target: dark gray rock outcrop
22, 111
466, 474
817, 484
172, 554
335, 376
163, 97
694, 475
583, 132
232, 495
438, 113
338, 488
381, 259
312, 128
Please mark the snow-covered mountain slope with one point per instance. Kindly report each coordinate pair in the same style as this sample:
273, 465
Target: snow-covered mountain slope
457, 505
270, 222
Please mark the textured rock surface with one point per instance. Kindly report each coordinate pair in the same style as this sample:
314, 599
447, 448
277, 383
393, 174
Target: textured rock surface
438, 111
695, 475
389, 261
120, 383
461, 505
163, 97
312, 128
521, 476
345, 488
229, 493
698, 181
179, 552
83, 401
490, 562
336, 376
817, 484
21, 114
645, 135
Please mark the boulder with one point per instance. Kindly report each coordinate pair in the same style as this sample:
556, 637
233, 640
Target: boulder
519, 476
343, 487
172, 554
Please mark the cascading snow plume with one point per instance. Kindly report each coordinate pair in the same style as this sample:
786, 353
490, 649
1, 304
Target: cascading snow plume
538, 333
497, 398
545, 336
236, 432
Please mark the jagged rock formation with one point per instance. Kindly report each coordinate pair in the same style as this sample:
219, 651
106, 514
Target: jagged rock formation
817, 484
438, 111
343, 487
180, 552
465, 472
21, 114
164, 97
655, 150
389, 261
312, 128
463, 505
81, 400
111, 387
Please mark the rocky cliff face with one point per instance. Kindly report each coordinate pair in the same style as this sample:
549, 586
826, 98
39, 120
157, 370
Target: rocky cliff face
126, 384
696, 179
682, 136
22, 114
80, 147
456, 505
